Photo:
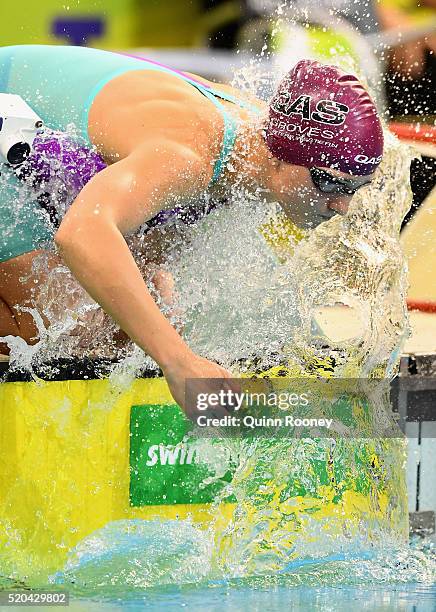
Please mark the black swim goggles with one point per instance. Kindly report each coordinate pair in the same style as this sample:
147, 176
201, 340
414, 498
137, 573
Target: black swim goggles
329, 183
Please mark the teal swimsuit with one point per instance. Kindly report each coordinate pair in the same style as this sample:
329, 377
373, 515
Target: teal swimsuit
59, 84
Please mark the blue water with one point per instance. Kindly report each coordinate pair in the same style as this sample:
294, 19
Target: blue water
266, 597
403, 579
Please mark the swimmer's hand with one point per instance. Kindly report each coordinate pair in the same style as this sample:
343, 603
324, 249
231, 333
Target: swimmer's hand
192, 366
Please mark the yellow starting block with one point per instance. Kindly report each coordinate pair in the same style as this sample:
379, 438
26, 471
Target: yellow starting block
78, 454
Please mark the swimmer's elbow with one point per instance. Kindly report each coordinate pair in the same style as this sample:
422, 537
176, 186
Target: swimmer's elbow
77, 234
61, 238
71, 245
66, 237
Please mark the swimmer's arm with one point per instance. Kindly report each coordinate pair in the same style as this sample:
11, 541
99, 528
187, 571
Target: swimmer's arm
91, 239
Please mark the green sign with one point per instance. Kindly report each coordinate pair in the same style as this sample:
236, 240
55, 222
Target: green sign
165, 466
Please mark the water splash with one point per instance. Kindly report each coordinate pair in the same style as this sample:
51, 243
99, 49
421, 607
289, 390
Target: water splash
137, 554
128, 558
237, 294
365, 269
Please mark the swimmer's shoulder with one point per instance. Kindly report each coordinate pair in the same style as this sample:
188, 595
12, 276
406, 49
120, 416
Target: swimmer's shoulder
155, 108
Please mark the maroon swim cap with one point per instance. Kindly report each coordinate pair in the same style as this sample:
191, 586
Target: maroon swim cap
321, 116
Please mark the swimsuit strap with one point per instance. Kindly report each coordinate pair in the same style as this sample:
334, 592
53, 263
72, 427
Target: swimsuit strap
230, 131
230, 123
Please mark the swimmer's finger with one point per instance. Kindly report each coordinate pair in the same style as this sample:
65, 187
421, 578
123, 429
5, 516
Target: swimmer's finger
230, 381
233, 385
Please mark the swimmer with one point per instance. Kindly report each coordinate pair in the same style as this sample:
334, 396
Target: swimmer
166, 137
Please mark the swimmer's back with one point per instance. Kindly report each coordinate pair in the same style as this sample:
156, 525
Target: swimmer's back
61, 82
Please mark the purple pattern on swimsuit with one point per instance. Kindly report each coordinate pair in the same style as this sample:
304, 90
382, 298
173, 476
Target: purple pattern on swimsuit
60, 166
65, 157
